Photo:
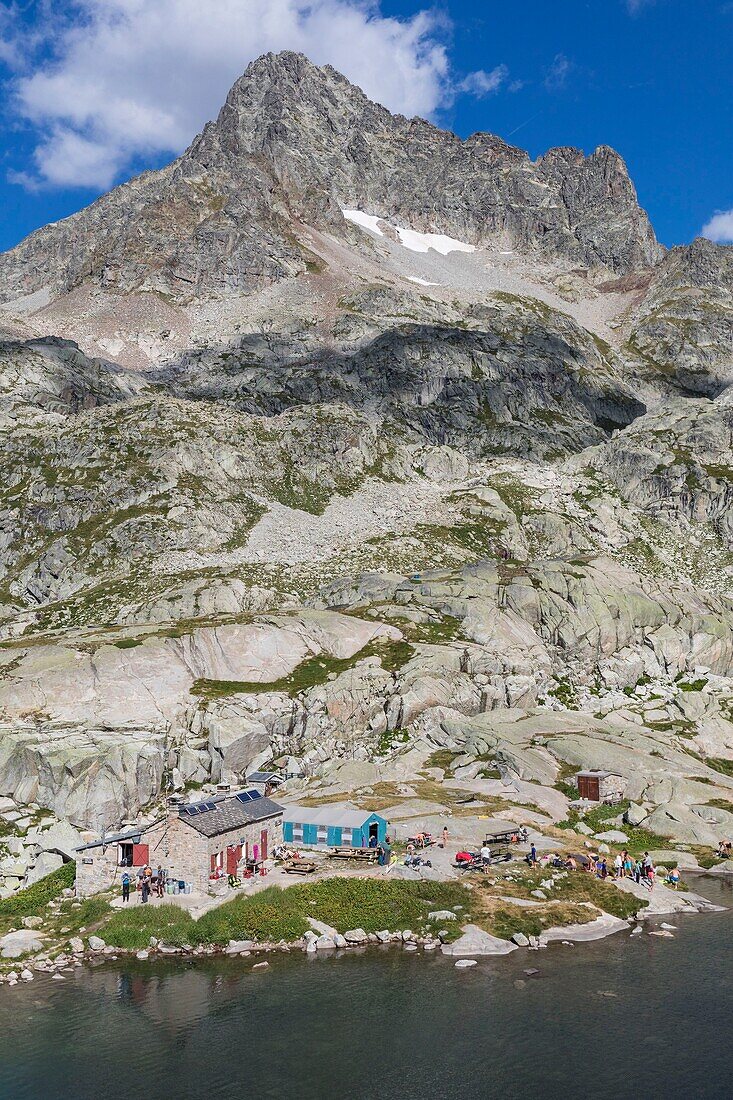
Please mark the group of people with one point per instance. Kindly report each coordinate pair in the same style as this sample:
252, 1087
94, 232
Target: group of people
148, 882
725, 850
640, 870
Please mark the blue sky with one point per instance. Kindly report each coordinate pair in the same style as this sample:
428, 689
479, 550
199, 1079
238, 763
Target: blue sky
93, 91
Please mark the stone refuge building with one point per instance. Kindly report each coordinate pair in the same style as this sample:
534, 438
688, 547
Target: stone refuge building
196, 843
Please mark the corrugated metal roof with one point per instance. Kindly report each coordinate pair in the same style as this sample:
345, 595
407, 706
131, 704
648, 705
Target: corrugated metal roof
116, 838
231, 814
339, 814
263, 777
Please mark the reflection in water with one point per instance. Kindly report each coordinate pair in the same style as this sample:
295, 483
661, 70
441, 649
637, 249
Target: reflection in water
386, 1024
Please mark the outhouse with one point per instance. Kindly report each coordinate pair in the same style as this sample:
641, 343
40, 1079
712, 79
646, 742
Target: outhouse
334, 826
597, 786
265, 782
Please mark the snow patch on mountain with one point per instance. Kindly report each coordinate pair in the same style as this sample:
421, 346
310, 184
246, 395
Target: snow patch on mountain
410, 238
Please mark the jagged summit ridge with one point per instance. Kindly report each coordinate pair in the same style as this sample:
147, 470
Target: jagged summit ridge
294, 143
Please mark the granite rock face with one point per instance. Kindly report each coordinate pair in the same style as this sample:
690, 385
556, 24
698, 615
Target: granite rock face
307, 143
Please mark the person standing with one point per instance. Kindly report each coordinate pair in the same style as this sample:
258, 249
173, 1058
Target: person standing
445, 836
144, 890
160, 881
125, 886
618, 866
533, 855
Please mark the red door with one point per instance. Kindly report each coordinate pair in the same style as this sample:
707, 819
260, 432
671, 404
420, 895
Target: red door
140, 855
234, 854
263, 844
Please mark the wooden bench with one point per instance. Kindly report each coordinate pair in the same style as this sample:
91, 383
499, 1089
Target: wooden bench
364, 855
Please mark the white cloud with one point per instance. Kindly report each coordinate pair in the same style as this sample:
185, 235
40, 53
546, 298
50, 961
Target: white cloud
558, 72
482, 83
720, 227
133, 79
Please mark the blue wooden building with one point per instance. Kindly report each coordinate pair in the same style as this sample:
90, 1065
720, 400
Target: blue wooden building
333, 826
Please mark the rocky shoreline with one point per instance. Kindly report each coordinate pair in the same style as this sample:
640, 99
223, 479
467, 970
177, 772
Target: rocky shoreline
473, 943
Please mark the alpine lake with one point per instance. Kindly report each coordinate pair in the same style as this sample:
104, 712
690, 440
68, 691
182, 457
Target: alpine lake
628, 1016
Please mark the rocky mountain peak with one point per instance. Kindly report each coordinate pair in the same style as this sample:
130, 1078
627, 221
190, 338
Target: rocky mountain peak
295, 142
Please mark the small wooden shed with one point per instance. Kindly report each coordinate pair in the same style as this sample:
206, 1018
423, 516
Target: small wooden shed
334, 826
597, 786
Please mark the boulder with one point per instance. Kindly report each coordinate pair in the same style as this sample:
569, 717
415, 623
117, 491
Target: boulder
325, 943
520, 939
442, 915
15, 944
44, 865
613, 836
635, 815
62, 838
475, 941
236, 947
320, 928
356, 936
96, 943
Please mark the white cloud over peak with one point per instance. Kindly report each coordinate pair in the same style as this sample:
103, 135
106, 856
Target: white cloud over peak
720, 227
124, 80
482, 83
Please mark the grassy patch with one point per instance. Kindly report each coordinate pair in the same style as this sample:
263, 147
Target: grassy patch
32, 901
575, 886
441, 758
719, 764
132, 928
309, 673
602, 817
275, 914
505, 920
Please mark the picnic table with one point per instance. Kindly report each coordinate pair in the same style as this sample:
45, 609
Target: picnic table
364, 855
505, 836
299, 867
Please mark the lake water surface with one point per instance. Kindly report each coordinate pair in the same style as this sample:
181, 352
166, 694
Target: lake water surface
626, 1017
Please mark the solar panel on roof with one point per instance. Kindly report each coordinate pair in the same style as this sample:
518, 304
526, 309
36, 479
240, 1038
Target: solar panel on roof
254, 794
245, 796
